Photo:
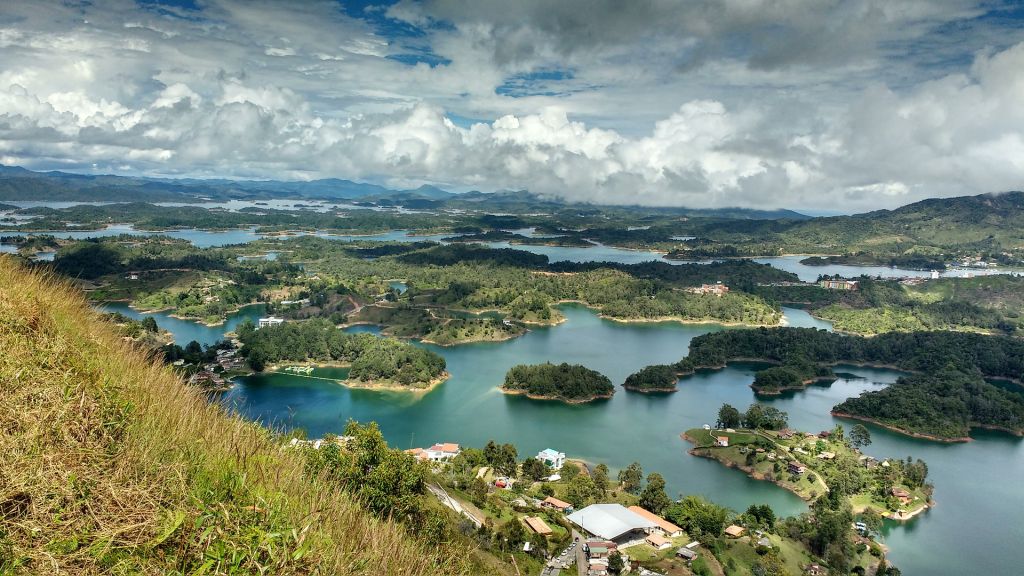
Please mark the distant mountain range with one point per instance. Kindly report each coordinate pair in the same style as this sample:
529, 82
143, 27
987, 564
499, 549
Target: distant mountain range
17, 183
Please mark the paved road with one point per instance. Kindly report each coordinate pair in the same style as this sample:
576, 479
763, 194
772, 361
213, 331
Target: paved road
554, 565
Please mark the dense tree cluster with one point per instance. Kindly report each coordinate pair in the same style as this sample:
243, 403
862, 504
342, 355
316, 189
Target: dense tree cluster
948, 396
945, 404
372, 358
757, 417
656, 378
570, 382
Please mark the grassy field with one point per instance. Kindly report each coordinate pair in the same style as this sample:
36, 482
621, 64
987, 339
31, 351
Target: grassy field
109, 464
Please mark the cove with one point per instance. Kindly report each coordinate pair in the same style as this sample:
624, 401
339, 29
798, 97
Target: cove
185, 331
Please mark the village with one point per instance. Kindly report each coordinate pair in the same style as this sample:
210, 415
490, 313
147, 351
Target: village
573, 520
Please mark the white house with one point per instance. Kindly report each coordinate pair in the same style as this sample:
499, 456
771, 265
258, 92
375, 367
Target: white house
442, 452
269, 321
552, 459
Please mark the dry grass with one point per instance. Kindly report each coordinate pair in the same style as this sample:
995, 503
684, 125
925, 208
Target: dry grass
109, 464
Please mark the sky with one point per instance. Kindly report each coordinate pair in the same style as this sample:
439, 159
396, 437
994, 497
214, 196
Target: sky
835, 105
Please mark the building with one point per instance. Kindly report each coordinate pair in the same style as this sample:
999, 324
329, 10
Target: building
537, 525
658, 541
902, 495
687, 554
796, 467
935, 275
664, 526
269, 321
556, 504
442, 452
599, 549
551, 458
613, 522
722, 441
735, 531
838, 284
716, 289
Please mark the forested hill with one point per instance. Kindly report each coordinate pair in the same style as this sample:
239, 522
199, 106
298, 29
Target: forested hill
986, 221
946, 397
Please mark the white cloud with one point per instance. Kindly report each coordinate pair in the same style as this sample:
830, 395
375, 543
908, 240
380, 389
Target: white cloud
673, 115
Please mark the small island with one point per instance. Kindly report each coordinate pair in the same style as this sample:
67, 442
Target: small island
373, 361
571, 383
652, 379
812, 465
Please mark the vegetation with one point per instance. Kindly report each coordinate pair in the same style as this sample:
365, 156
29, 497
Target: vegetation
657, 378
943, 405
111, 465
947, 397
373, 359
568, 383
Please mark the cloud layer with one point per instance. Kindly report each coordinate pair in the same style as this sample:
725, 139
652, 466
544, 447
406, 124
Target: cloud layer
816, 105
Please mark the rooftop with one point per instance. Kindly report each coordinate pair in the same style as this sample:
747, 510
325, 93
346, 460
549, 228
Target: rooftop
661, 522
609, 520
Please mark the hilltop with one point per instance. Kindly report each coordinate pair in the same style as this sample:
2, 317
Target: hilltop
110, 464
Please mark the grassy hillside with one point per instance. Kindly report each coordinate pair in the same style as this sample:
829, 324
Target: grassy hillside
109, 464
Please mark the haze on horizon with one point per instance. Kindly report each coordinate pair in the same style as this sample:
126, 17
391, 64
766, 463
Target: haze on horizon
810, 105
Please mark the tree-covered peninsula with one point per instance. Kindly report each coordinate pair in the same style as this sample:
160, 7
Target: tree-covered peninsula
373, 361
947, 395
570, 383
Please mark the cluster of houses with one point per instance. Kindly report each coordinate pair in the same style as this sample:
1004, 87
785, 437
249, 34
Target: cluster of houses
716, 289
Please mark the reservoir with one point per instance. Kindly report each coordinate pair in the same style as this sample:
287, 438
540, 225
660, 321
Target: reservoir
975, 528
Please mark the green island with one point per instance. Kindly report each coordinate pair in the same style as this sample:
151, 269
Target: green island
373, 361
652, 379
948, 393
570, 383
436, 325
812, 465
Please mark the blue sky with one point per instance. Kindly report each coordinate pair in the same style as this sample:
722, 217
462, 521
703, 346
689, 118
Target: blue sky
817, 104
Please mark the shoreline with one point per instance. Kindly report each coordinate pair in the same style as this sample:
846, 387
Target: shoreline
555, 398
381, 385
892, 428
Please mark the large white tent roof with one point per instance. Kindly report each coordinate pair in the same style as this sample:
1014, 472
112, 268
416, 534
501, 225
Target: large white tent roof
609, 521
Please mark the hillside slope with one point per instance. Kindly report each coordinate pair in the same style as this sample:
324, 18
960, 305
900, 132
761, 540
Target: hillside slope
110, 465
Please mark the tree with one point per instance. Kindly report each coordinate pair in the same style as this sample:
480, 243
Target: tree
615, 563
580, 491
569, 471
631, 477
697, 516
728, 416
653, 496
600, 477
534, 469
860, 436
477, 491
149, 324
838, 434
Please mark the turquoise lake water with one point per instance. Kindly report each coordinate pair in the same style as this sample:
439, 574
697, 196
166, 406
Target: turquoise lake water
976, 528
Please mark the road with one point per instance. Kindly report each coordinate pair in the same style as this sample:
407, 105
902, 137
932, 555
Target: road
554, 566
454, 504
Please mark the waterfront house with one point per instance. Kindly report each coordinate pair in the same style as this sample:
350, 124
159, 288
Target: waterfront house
664, 526
722, 441
556, 504
269, 321
839, 284
442, 452
537, 525
902, 495
551, 458
796, 467
735, 531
